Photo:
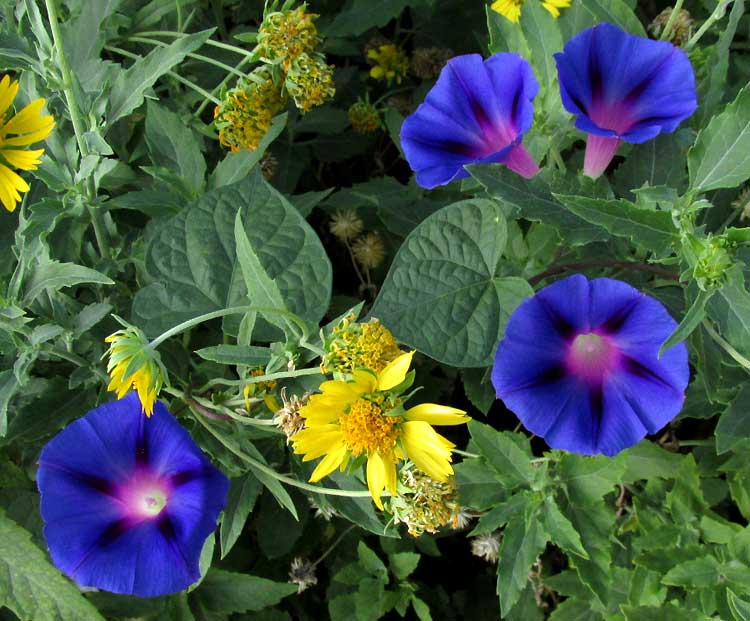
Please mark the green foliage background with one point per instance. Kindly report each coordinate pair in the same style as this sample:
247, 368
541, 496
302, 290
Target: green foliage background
142, 214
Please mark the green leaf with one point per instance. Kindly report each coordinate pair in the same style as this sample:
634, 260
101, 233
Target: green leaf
371, 563
730, 308
504, 512
240, 502
403, 564
654, 230
739, 607
236, 354
720, 157
53, 276
663, 613
236, 166
261, 288
193, 258
130, 86
532, 199
31, 587
479, 487
523, 541
701, 572
587, 479
544, 39
227, 592
362, 15
503, 454
647, 460
615, 12
692, 319
445, 293
172, 144
733, 427
561, 531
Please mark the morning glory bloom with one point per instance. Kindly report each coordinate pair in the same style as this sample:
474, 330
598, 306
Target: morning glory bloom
623, 87
128, 501
579, 365
477, 112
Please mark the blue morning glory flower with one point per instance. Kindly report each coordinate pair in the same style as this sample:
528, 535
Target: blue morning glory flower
128, 501
579, 365
623, 87
477, 112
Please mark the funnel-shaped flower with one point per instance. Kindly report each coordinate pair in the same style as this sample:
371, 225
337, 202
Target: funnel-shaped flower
128, 501
579, 365
477, 112
623, 87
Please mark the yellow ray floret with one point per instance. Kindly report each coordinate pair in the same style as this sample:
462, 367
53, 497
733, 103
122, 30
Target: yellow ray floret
363, 417
28, 126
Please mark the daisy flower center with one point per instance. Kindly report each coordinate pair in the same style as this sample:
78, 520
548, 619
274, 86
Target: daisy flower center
367, 430
591, 356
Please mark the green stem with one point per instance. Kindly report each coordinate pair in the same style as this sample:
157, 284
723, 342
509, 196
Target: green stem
254, 463
270, 377
172, 74
234, 310
211, 42
736, 356
717, 14
78, 361
673, 16
466, 454
205, 59
697, 442
78, 128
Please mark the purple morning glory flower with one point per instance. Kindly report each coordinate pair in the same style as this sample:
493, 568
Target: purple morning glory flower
128, 501
477, 112
579, 365
623, 87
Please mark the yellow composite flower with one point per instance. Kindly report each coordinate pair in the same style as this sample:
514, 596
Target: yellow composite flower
349, 419
511, 9
132, 364
26, 127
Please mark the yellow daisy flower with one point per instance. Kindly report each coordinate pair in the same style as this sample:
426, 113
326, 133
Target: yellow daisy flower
511, 9
365, 418
132, 364
29, 126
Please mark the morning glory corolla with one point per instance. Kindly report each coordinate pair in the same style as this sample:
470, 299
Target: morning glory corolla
579, 365
623, 88
128, 501
477, 112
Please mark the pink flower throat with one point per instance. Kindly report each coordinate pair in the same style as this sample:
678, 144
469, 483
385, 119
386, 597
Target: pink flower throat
592, 357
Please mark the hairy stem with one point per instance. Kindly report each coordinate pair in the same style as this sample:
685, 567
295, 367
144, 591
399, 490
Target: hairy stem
584, 265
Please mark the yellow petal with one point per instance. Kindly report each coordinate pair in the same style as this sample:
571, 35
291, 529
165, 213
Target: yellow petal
376, 478
29, 119
314, 443
430, 451
31, 137
10, 186
342, 392
329, 463
395, 372
364, 382
436, 414
8, 92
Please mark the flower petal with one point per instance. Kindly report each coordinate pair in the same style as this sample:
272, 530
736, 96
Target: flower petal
330, 462
8, 92
395, 372
316, 442
437, 414
25, 160
376, 478
430, 451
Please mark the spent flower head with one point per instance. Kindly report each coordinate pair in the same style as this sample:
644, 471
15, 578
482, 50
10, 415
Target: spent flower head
425, 504
364, 117
682, 27
310, 81
288, 417
364, 419
246, 111
133, 363
302, 573
17, 132
390, 63
353, 345
486, 546
346, 224
428, 62
287, 34
369, 250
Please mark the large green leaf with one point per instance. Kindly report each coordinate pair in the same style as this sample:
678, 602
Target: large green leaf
734, 425
53, 276
730, 308
174, 145
503, 454
445, 293
544, 39
720, 157
243, 493
654, 230
31, 587
532, 199
361, 15
225, 591
130, 86
192, 257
